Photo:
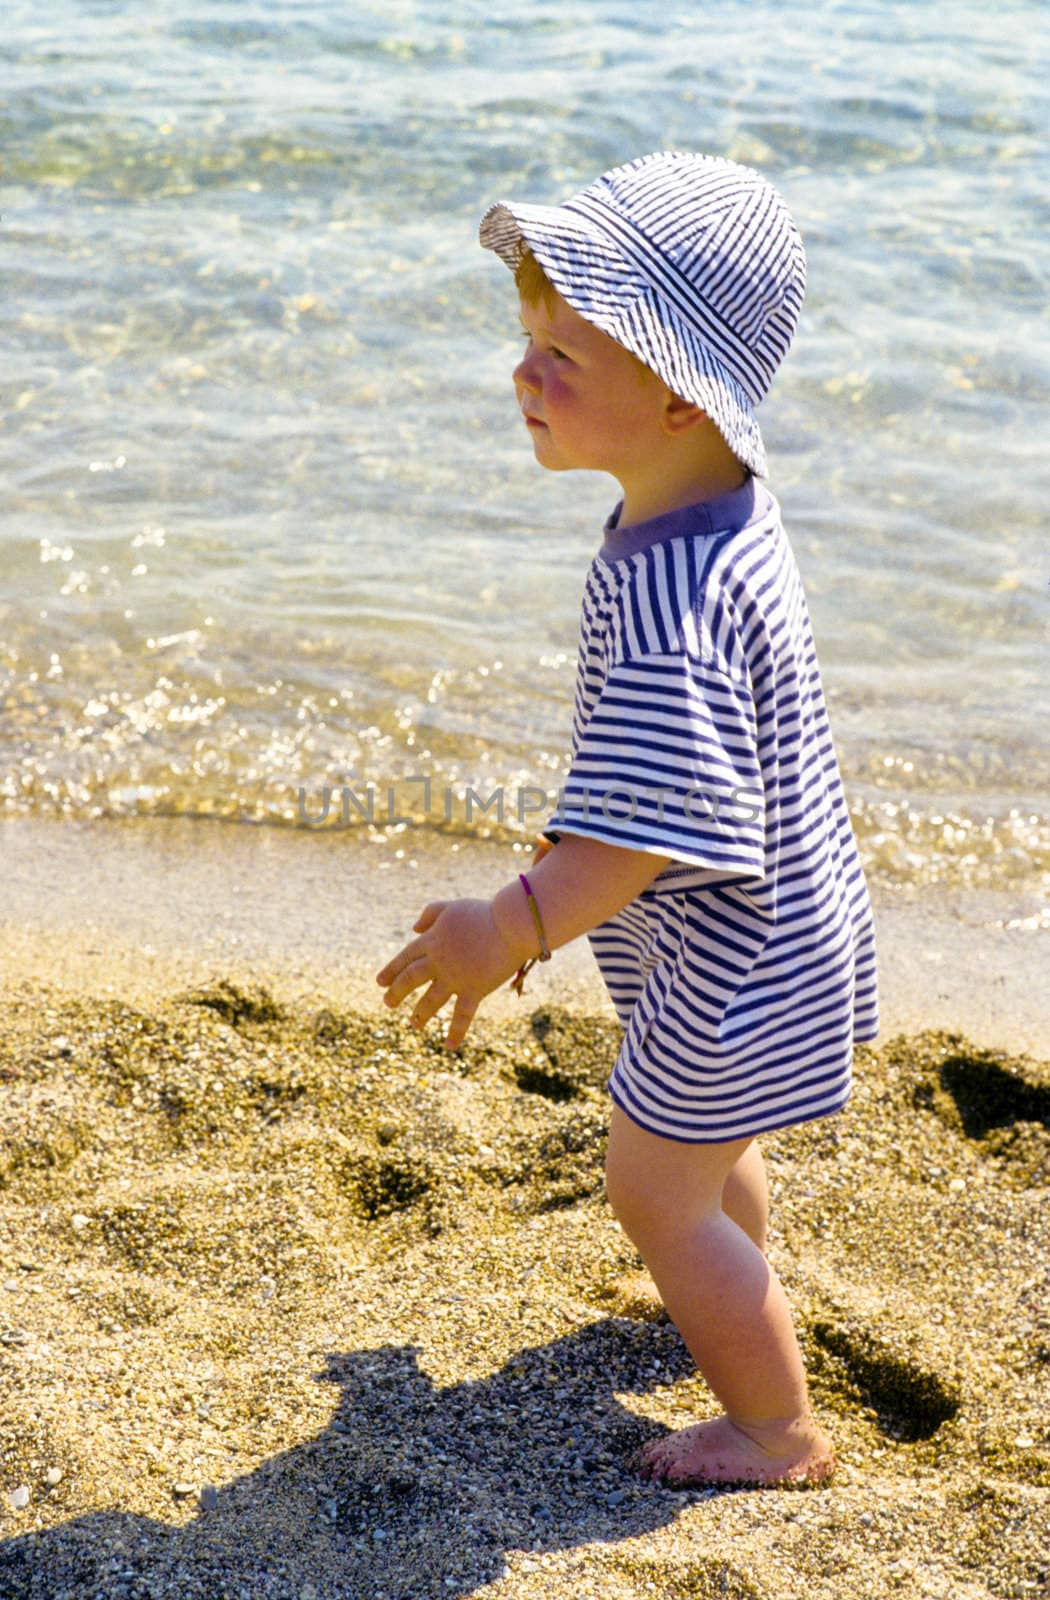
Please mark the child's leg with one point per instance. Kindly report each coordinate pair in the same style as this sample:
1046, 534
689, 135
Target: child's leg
727, 1304
745, 1197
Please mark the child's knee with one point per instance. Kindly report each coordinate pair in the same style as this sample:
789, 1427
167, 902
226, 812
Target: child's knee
640, 1200
660, 1188
623, 1194
745, 1197
637, 1206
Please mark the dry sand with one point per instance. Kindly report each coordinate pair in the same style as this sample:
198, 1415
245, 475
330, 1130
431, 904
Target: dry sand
295, 1305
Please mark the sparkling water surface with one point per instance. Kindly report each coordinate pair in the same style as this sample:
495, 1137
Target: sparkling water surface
272, 521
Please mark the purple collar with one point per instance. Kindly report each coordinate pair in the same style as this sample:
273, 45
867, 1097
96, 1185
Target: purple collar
726, 514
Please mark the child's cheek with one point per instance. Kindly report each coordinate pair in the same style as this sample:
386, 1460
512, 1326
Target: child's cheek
557, 393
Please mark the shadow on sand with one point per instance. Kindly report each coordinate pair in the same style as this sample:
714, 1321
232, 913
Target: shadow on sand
411, 1493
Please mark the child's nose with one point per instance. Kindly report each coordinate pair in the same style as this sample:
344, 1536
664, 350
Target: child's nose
524, 375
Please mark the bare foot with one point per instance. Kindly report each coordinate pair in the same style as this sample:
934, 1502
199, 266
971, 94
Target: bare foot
721, 1452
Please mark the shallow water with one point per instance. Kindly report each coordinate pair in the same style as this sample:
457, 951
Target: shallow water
273, 523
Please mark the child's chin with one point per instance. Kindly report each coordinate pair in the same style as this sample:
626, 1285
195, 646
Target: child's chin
546, 456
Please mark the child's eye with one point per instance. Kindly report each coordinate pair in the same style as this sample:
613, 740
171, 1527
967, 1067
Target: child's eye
552, 349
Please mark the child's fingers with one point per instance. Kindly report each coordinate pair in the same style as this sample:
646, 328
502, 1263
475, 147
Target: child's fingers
462, 1016
396, 964
428, 916
412, 951
409, 978
429, 1004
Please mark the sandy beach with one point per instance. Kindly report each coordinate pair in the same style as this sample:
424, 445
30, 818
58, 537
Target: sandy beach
294, 1304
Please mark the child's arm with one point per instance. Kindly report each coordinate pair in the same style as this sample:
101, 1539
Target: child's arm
467, 948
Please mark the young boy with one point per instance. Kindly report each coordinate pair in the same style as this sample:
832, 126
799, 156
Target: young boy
703, 840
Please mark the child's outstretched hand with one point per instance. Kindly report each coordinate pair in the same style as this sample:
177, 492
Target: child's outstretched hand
460, 951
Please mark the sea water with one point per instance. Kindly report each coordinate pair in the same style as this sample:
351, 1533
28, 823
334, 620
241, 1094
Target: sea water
272, 525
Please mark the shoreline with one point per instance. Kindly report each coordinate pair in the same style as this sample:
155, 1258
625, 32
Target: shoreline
137, 906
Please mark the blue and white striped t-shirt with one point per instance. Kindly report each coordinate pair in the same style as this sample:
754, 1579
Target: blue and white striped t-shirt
745, 973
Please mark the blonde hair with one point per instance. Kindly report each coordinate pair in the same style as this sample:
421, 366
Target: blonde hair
534, 285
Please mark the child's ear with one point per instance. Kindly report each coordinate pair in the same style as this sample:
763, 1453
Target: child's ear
680, 415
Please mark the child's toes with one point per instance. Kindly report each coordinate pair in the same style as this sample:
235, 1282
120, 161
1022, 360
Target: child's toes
653, 1460
717, 1452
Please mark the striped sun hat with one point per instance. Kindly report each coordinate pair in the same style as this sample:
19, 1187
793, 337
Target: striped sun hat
691, 262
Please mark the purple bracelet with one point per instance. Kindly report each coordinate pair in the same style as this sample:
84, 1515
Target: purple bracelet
518, 981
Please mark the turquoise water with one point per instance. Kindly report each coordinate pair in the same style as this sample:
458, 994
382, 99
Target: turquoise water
272, 522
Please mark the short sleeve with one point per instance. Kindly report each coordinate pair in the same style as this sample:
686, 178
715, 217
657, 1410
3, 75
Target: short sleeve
667, 761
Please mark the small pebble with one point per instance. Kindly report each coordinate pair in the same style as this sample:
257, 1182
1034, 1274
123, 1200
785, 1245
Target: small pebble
19, 1497
53, 1476
866, 1519
209, 1497
80, 1222
182, 1489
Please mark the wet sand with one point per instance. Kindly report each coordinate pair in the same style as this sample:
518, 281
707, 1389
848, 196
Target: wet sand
132, 907
294, 1304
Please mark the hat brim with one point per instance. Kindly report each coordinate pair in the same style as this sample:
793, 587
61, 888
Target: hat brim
602, 286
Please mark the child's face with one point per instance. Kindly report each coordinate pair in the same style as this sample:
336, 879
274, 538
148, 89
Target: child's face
586, 401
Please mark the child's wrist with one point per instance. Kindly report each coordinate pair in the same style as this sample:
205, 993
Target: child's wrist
514, 924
